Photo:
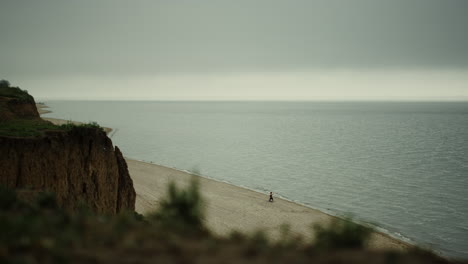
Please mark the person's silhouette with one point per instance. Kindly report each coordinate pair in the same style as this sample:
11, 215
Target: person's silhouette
271, 197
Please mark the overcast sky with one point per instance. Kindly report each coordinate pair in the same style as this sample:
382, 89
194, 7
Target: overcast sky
252, 49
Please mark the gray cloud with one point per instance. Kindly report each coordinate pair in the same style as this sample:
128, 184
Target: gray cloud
151, 37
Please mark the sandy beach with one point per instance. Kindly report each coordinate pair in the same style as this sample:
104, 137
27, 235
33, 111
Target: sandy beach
230, 207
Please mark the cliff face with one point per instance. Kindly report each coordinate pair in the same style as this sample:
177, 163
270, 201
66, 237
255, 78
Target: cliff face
79, 166
11, 109
23, 110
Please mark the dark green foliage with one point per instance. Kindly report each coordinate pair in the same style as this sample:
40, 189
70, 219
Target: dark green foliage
256, 244
33, 128
182, 209
39, 227
138, 216
40, 232
7, 198
341, 234
46, 200
4, 84
25, 128
237, 236
72, 126
48, 234
289, 240
14, 92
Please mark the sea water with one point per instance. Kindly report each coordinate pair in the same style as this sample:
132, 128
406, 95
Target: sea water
402, 166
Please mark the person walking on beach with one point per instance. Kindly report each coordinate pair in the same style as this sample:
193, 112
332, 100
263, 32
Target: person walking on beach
271, 197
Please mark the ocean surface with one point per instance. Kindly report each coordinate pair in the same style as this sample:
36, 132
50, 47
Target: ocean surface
402, 166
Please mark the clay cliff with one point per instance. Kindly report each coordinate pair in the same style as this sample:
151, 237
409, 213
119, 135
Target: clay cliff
79, 164
12, 108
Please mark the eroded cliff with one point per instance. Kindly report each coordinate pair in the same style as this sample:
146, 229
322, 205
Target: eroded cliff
79, 166
78, 163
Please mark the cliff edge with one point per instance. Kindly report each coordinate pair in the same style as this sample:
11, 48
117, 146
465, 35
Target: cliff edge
78, 163
16, 104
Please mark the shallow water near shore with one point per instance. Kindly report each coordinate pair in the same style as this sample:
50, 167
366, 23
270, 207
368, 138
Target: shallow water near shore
401, 166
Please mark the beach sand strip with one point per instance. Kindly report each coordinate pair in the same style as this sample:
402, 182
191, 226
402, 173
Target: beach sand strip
230, 207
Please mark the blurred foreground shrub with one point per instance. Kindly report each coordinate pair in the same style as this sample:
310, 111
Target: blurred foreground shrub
341, 234
39, 231
182, 209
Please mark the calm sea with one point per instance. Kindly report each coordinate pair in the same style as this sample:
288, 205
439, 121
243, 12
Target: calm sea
401, 166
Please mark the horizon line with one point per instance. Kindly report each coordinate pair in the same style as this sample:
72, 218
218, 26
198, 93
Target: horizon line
448, 99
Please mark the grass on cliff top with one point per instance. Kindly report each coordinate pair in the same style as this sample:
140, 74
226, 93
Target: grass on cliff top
39, 231
14, 92
34, 128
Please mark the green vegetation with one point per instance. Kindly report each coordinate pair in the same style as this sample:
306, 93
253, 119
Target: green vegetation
25, 128
34, 128
40, 232
4, 83
72, 126
340, 234
182, 209
48, 234
14, 92
15, 123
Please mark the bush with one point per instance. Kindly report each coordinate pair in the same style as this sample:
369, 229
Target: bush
78, 127
33, 128
40, 230
25, 128
341, 234
14, 92
4, 84
7, 198
182, 209
257, 243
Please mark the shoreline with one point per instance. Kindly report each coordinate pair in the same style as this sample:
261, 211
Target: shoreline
330, 213
41, 108
57, 121
226, 206
230, 207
